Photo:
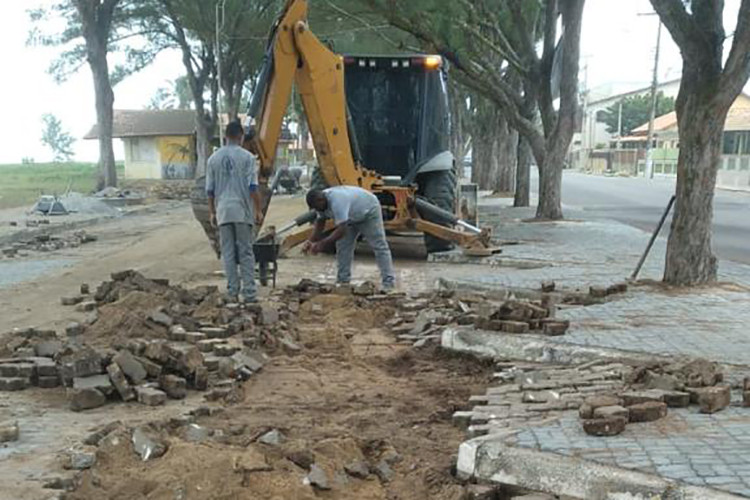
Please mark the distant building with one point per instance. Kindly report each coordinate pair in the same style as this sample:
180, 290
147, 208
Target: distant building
593, 135
159, 144
630, 156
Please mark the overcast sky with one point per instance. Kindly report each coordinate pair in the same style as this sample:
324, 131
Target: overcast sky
617, 52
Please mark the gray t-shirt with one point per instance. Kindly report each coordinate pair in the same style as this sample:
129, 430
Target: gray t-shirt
231, 176
349, 204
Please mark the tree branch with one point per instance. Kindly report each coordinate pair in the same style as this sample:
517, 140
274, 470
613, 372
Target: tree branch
737, 68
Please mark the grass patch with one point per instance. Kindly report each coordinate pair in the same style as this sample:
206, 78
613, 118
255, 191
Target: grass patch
21, 185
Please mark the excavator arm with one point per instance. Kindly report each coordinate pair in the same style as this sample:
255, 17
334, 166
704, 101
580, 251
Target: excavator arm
295, 56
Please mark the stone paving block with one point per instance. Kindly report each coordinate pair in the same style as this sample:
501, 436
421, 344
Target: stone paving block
591, 403
462, 419
86, 306
713, 399
130, 366
225, 350
514, 326
647, 411
636, 397
120, 382
194, 337
200, 378
45, 367
85, 399
48, 348
184, 358
611, 426
150, 396
152, 369
71, 301
48, 382
9, 432
82, 363
100, 382
214, 332
611, 411
14, 383
174, 386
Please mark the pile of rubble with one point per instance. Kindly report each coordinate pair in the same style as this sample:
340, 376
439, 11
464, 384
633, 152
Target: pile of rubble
655, 388
529, 393
47, 243
423, 318
172, 190
194, 341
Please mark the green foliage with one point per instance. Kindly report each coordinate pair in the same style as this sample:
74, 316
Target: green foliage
636, 110
57, 139
21, 185
176, 96
124, 37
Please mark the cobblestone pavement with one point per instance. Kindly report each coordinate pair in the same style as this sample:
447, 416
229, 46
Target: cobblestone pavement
709, 322
700, 449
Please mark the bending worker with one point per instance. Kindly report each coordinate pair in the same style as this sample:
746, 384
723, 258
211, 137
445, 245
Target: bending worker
231, 185
354, 211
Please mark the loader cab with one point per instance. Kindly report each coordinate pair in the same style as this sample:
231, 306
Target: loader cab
399, 107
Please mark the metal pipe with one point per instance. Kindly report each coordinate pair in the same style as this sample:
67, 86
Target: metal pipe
468, 226
653, 238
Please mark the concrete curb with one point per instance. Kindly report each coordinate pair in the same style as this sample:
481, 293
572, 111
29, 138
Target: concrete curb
533, 348
489, 459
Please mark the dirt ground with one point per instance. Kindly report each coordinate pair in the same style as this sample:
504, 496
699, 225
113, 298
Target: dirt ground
351, 394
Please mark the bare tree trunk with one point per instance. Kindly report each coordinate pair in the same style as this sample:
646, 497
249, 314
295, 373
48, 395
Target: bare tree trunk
504, 178
709, 86
105, 99
96, 20
550, 185
523, 173
690, 259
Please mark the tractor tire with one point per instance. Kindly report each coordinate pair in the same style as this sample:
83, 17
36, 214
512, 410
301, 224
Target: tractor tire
316, 179
440, 189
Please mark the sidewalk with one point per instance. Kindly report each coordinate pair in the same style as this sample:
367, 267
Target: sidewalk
578, 253
684, 455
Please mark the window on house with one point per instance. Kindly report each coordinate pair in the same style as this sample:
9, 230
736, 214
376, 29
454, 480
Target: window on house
736, 143
141, 149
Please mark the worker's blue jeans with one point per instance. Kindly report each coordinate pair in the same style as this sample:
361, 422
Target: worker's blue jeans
374, 233
237, 249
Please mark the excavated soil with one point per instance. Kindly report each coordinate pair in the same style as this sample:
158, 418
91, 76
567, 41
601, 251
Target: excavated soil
352, 394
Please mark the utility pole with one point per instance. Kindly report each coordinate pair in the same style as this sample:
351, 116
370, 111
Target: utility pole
619, 124
584, 120
220, 4
654, 84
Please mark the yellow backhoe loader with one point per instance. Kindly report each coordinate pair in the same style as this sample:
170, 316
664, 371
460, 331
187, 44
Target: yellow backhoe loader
377, 122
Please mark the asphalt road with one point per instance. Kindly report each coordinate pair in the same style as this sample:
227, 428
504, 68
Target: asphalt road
640, 203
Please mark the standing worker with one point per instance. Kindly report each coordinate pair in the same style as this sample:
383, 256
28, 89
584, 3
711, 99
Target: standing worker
354, 211
231, 183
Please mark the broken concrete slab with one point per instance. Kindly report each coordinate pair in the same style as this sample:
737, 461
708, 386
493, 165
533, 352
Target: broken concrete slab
81, 459
488, 458
358, 469
272, 438
148, 443
317, 478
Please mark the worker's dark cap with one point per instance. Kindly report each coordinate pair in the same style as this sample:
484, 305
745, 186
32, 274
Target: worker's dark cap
234, 129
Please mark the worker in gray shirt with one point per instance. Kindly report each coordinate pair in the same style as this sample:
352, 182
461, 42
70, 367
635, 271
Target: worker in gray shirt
231, 185
354, 211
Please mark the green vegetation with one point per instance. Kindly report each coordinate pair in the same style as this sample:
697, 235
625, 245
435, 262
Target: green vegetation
22, 184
